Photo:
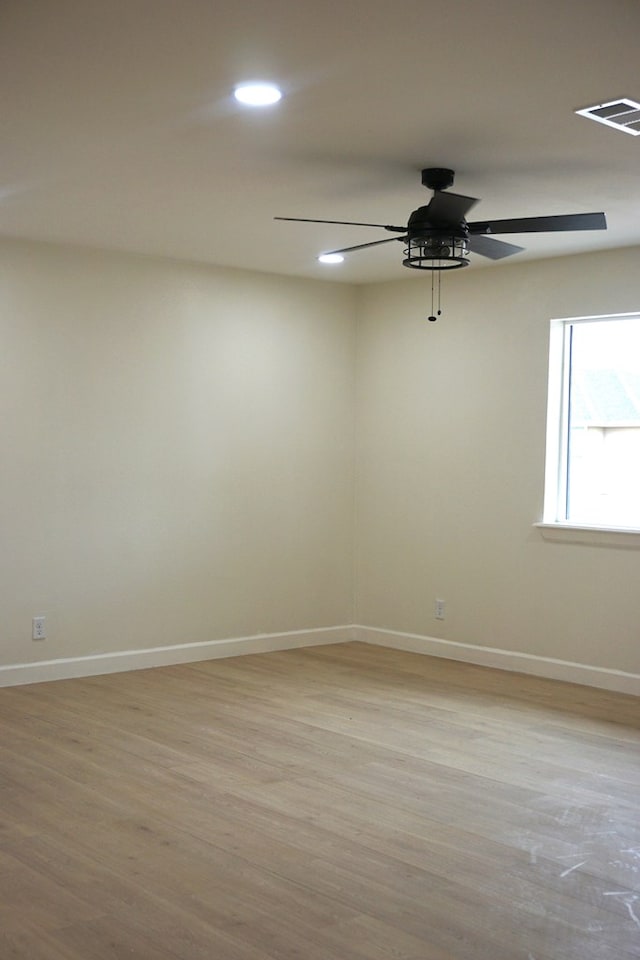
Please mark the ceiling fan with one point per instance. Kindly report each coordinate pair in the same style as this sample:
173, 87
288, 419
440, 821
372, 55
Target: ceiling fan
438, 237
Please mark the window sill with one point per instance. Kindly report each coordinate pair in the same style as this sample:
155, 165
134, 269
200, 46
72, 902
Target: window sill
625, 537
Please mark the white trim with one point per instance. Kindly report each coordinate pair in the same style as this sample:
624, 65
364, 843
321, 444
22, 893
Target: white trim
602, 677
626, 537
556, 482
555, 477
599, 316
68, 667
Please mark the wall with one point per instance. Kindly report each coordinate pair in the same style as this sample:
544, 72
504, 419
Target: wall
177, 458
450, 466
177, 446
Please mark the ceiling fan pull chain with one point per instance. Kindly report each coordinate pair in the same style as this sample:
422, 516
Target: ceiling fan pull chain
435, 286
431, 316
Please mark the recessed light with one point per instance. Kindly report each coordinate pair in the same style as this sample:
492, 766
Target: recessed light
257, 94
331, 258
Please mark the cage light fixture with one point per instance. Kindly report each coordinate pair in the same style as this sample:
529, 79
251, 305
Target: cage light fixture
436, 252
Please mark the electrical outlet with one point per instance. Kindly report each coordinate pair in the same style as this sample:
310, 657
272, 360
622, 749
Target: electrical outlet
38, 628
439, 610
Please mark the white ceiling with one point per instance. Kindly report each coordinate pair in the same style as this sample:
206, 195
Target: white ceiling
119, 129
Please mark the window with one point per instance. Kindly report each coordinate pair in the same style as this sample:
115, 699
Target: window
593, 423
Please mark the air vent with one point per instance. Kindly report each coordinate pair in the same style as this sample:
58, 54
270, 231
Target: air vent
620, 114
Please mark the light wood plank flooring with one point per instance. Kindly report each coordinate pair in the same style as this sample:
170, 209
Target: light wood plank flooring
335, 803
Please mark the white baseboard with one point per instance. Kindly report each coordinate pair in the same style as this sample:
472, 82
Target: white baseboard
90, 666
548, 667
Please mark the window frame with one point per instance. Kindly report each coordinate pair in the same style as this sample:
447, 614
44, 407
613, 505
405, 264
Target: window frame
554, 524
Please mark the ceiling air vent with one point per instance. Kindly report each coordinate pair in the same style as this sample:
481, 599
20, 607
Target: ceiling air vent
620, 114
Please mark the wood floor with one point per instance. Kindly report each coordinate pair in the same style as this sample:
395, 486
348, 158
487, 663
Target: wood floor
335, 803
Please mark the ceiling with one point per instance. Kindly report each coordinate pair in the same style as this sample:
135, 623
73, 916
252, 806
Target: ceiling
120, 131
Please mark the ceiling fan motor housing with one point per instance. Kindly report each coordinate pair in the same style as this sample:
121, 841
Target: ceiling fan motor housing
437, 178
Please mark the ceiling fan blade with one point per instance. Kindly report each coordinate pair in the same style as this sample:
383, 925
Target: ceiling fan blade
345, 223
493, 249
569, 221
448, 208
361, 246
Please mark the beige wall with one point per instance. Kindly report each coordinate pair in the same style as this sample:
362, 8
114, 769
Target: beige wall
177, 457
450, 466
177, 446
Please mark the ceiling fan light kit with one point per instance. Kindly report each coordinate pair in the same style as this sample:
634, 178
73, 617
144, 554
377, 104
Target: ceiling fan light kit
444, 252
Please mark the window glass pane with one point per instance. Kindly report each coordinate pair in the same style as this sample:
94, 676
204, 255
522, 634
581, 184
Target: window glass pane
603, 457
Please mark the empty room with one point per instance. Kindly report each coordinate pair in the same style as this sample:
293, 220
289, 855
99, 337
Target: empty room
319, 509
